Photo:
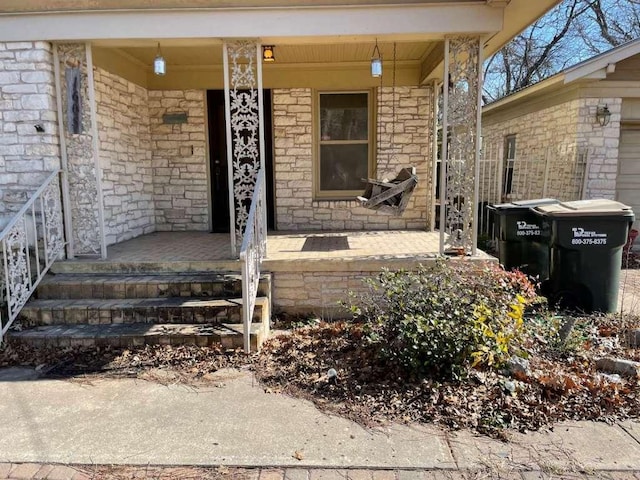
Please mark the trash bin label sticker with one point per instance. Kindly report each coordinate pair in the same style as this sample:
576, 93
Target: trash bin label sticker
527, 229
587, 237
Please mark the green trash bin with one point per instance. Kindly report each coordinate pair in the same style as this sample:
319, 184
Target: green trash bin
518, 235
585, 239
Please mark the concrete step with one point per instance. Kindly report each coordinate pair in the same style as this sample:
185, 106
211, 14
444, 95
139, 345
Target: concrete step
178, 310
138, 334
118, 286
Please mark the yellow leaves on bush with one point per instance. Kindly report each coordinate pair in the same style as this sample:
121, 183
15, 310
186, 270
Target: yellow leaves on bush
496, 333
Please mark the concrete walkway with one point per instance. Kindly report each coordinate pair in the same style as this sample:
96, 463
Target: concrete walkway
235, 423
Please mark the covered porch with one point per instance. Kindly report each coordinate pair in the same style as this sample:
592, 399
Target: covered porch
167, 121
180, 148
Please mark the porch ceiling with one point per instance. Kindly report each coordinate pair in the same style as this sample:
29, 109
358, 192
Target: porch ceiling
197, 63
211, 55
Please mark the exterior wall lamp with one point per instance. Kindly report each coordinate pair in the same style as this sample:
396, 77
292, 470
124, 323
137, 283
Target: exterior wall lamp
267, 53
376, 62
603, 115
159, 63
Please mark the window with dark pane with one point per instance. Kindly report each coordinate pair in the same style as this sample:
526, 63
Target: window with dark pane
344, 141
509, 162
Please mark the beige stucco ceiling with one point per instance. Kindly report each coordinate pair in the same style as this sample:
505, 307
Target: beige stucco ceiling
201, 55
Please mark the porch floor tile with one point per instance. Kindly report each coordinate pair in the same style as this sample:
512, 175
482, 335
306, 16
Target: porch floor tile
172, 247
326, 245
208, 247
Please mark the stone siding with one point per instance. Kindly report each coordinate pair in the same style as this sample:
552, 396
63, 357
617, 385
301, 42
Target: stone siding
561, 135
296, 208
125, 157
603, 145
27, 99
319, 293
550, 131
179, 160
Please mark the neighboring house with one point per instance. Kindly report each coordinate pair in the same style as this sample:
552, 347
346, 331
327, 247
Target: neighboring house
573, 135
182, 151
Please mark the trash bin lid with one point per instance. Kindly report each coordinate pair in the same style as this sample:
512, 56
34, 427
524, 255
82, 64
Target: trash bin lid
523, 204
536, 202
590, 208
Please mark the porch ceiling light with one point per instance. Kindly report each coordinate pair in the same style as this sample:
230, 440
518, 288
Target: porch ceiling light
376, 62
159, 63
603, 115
267, 53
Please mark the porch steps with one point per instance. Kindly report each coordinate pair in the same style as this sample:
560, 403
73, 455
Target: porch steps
77, 286
136, 310
129, 310
138, 334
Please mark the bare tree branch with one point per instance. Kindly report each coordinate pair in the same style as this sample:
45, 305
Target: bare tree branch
573, 31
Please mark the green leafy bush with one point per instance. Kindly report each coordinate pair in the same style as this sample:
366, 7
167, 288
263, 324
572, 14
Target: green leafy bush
439, 321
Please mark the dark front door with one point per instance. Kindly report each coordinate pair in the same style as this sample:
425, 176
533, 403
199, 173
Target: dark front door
219, 165
218, 162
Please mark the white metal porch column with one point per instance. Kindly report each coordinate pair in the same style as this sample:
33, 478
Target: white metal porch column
244, 113
78, 130
461, 117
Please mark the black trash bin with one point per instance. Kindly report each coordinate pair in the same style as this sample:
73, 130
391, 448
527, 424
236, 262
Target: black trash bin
518, 235
585, 239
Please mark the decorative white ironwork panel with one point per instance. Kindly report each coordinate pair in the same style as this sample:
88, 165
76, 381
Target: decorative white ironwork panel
461, 136
37, 227
243, 128
16, 264
51, 207
81, 165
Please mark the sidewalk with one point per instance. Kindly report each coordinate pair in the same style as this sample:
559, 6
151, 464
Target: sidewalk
235, 423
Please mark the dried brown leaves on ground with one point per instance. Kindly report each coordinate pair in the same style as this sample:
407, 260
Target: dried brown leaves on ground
118, 472
333, 365
369, 390
631, 260
183, 363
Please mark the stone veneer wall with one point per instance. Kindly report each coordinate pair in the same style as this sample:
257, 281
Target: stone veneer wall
296, 208
317, 292
125, 157
179, 160
27, 98
561, 128
321, 288
536, 132
603, 145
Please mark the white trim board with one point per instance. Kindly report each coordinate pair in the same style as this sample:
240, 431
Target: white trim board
425, 19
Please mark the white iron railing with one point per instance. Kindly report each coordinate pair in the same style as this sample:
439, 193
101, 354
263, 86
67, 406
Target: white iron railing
252, 252
31, 241
555, 171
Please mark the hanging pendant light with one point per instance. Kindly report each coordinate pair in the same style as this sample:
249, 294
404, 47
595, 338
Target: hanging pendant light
376, 62
159, 63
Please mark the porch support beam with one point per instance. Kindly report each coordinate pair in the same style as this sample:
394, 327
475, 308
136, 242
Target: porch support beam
77, 125
460, 145
245, 129
270, 24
